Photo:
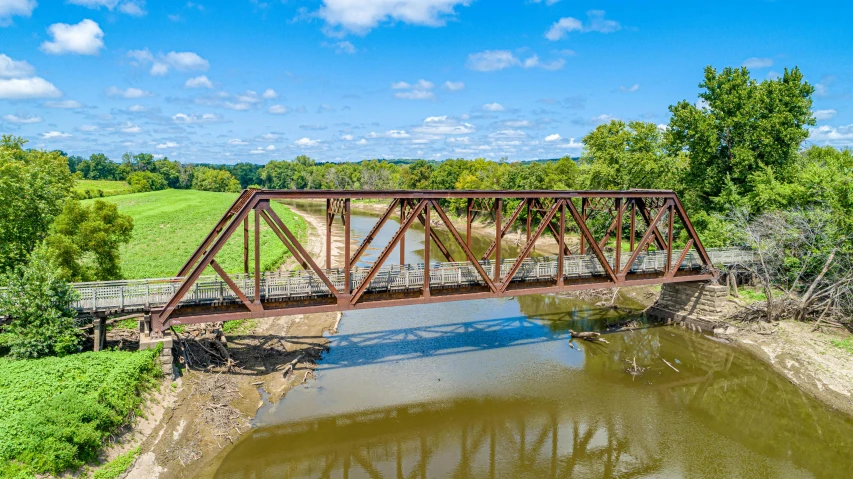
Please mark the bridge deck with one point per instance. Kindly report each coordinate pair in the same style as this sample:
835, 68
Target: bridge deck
295, 286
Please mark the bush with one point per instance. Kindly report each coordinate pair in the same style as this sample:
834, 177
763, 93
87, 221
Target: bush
209, 179
56, 412
37, 304
143, 181
117, 466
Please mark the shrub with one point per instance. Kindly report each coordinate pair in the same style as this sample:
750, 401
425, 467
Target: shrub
209, 179
142, 181
56, 412
37, 304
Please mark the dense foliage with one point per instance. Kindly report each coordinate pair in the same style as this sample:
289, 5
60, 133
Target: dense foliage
36, 302
34, 185
84, 241
56, 412
209, 179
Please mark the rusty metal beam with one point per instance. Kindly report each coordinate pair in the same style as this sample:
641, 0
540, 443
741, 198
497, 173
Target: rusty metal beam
643, 242
529, 246
468, 254
585, 233
505, 229
373, 232
222, 274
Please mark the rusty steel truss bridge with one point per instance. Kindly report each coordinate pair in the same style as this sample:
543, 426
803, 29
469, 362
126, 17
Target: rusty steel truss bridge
620, 238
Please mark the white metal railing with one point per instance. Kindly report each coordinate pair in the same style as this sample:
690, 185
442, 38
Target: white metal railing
144, 294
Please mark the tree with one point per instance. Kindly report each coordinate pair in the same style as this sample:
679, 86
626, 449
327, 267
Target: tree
85, 240
34, 185
142, 181
209, 179
739, 130
620, 156
37, 302
98, 167
416, 176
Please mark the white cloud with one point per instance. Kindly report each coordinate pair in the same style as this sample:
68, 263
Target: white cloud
822, 88
257, 151
493, 107
824, 114
361, 142
396, 134
269, 136
508, 134
129, 93
756, 62
494, 60
277, 109
237, 106
198, 82
237, 141
84, 38
131, 128
841, 136
597, 23
442, 125
360, 16
306, 142
603, 118
130, 7
87, 128
269, 94
182, 61
572, 144
10, 8
22, 119
14, 68
630, 89
54, 134
347, 137
553, 137
270, 148
64, 104
203, 118
341, 47
454, 85
168, 144
23, 88
421, 90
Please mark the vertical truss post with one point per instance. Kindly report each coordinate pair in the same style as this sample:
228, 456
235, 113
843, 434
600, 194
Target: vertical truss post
403, 239
669, 238
347, 267
329, 218
498, 238
257, 256
618, 266
561, 242
246, 245
583, 220
427, 243
469, 220
633, 222
527, 202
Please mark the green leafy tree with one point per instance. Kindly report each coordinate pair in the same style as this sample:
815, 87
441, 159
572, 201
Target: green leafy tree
170, 170
36, 301
740, 129
209, 179
99, 167
620, 156
142, 181
85, 240
34, 185
416, 176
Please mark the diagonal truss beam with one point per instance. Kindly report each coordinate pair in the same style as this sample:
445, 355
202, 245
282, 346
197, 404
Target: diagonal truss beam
284, 240
554, 231
644, 213
673, 269
298, 247
209, 239
374, 268
468, 254
529, 246
505, 229
373, 232
646, 238
240, 294
585, 233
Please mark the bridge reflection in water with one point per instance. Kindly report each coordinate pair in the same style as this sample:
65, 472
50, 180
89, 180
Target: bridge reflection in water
723, 414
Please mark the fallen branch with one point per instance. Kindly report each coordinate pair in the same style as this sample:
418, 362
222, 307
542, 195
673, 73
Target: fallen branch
670, 365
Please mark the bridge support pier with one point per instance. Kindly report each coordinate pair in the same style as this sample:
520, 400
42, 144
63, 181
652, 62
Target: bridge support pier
166, 357
698, 305
99, 324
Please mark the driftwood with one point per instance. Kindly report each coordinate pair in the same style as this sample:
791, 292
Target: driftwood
670, 365
591, 336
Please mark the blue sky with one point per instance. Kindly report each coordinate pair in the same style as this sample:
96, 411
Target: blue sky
343, 80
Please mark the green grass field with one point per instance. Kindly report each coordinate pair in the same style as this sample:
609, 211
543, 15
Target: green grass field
169, 225
100, 188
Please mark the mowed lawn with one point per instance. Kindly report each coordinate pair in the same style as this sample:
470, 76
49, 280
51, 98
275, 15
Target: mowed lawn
107, 187
169, 225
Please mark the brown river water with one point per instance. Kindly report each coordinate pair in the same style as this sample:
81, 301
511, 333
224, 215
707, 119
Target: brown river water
495, 388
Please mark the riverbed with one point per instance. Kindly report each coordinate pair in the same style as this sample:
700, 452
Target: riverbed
496, 388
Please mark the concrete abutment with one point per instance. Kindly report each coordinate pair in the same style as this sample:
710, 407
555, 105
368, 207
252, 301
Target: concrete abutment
699, 305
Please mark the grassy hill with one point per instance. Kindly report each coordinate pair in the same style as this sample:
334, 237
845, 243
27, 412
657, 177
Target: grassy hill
100, 188
170, 224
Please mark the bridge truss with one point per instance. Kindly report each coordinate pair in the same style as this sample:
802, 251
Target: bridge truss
624, 238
